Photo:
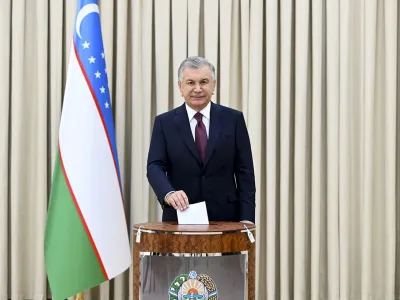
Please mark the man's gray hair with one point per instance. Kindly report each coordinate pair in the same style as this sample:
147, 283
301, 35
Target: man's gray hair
195, 62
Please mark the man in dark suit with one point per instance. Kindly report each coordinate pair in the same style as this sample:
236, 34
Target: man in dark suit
201, 151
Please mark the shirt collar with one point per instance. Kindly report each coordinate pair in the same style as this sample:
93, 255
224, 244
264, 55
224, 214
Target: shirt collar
205, 111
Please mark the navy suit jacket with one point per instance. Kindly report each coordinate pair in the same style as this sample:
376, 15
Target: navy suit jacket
225, 181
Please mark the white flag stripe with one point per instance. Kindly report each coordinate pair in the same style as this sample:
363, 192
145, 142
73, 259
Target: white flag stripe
90, 168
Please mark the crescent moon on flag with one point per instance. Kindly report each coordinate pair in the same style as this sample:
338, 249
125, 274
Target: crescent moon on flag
87, 9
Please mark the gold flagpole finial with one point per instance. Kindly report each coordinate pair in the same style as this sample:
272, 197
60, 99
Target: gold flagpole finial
79, 296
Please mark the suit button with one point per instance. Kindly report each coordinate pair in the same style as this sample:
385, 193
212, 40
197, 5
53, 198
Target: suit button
203, 177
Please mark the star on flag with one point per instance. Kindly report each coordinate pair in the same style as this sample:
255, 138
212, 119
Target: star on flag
85, 45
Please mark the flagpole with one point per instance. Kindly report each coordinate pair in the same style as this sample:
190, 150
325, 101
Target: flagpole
79, 296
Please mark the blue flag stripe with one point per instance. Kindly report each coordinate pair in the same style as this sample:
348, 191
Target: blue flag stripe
90, 54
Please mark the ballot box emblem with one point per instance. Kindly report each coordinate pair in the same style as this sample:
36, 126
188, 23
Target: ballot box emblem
193, 286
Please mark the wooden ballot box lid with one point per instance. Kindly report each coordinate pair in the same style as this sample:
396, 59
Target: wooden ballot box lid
212, 228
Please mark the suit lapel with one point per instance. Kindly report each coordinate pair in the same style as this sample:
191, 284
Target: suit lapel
182, 123
214, 131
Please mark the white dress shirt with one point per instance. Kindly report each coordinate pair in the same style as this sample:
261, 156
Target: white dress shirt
206, 118
193, 122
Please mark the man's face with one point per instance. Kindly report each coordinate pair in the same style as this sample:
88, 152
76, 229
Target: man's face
197, 87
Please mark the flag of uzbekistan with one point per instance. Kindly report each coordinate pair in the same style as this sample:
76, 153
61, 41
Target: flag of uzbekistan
86, 239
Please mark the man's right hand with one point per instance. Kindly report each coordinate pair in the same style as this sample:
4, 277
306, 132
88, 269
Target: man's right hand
178, 200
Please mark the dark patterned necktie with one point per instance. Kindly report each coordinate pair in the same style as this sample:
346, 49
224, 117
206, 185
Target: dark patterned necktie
200, 136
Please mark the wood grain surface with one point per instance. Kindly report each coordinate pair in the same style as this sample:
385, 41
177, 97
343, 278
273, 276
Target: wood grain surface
212, 227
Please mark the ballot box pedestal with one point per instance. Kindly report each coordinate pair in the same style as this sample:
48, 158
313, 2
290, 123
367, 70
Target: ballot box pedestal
204, 262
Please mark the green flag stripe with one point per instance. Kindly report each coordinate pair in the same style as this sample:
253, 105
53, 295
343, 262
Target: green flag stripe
71, 262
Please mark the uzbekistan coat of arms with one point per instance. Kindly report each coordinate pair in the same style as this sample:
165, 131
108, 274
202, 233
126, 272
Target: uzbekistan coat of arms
193, 286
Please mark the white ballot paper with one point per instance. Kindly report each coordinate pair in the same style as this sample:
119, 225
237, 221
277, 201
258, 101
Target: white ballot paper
195, 214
